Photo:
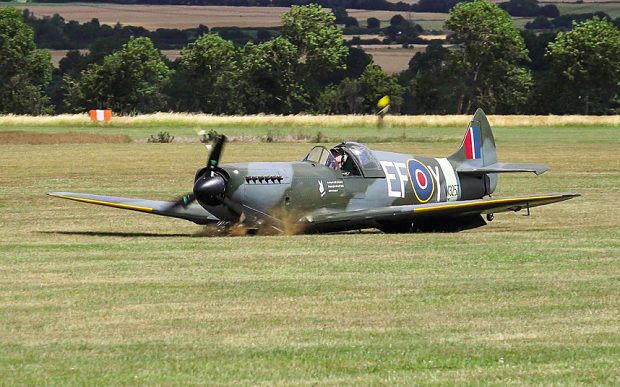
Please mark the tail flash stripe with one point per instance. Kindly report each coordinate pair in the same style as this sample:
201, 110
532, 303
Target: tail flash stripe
468, 142
472, 143
476, 141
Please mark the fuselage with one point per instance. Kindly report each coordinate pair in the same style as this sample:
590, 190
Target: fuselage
381, 179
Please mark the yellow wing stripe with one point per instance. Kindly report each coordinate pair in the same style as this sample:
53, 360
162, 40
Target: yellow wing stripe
486, 202
110, 204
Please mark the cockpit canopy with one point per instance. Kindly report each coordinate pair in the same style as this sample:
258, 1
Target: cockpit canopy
352, 158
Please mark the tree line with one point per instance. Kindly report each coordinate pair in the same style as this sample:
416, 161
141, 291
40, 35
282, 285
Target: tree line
55, 33
382, 5
308, 68
513, 7
565, 22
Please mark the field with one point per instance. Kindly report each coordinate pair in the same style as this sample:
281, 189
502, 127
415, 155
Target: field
180, 16
92, 295
393, 59
610, 8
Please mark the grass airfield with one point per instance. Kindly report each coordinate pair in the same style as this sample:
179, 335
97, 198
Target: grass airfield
92, 295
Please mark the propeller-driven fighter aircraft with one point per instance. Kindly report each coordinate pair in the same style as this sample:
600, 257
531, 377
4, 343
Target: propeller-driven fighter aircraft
348, 187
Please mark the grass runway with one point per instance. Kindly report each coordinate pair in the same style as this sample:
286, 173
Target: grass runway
93, 295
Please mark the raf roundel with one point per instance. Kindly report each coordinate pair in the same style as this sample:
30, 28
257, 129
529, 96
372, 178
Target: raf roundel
421, 180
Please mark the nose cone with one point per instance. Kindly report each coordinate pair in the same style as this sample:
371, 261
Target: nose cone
209, 189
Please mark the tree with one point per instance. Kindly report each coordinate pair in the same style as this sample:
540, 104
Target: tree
588, 59
488, 62
343, 98
25, 71
430, 86
354, 96
357, 60
536, 44
550, 10
435, 5
372, 23
208, 71
401, 30
340, 14
128, 80
269, 82
397, 20
539, 23
374, 84
521, 7
317, 38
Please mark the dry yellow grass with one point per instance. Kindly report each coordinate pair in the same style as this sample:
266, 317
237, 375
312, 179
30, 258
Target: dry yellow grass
434, 37
314, 121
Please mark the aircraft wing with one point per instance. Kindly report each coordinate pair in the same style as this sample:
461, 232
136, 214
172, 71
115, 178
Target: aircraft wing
445, 209
489, 205
193, 212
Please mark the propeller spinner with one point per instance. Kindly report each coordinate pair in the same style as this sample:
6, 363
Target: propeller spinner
209, 185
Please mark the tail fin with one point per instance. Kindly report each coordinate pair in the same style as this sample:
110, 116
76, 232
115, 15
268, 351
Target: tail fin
476, 160
478, 147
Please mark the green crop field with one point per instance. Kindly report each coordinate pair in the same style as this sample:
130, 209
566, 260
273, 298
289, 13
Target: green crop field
611, 8
93, 295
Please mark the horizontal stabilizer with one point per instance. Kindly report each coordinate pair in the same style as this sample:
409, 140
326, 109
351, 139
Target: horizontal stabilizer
502, 168
193, 212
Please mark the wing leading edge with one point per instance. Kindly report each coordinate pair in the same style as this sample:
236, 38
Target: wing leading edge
193, 212
340, 220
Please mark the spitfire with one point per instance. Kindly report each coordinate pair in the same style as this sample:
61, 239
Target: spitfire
348, 187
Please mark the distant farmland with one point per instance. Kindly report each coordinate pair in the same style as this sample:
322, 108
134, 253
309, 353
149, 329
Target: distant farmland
392, 58
181, 16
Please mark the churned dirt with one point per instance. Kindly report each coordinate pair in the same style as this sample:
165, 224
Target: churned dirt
34, 138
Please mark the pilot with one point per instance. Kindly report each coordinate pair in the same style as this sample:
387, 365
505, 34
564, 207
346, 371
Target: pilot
336, 163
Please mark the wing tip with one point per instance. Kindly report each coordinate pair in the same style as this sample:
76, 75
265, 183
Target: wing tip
108, 201
570, 195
